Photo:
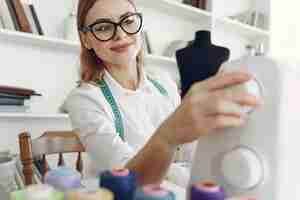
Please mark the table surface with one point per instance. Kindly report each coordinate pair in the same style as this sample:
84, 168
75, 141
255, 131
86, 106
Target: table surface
178, 191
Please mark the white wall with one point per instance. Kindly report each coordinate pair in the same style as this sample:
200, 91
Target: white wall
222, 9
52, 15
285, 29
52, 72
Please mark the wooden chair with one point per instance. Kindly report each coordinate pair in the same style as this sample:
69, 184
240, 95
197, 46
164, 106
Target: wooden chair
51, 142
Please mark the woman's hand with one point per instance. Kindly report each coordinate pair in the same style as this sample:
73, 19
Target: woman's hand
208, 107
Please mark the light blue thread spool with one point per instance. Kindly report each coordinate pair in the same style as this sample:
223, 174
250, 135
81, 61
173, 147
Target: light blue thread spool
153, 192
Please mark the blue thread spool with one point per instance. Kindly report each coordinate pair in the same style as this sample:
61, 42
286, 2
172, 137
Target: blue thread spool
206, 191
121, 182
153, 192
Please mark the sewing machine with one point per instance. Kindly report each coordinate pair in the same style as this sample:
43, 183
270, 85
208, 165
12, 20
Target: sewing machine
261, 158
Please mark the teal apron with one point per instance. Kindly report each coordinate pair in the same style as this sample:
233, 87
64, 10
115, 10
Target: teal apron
113, 104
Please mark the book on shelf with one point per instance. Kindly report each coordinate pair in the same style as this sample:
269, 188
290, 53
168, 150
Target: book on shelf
13, 14
14, 108
31, 21
36, 19
11, 101
14, 96
18, 91
202, 4
194, 3
188, 2
32, 17
6, 16
21, 16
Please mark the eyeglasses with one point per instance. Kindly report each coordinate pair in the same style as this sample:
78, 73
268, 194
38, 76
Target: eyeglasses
105, 30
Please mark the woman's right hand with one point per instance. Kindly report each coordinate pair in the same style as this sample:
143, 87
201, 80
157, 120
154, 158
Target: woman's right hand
208, 107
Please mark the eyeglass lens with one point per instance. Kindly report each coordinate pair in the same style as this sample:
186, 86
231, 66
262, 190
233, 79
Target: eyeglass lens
106, 30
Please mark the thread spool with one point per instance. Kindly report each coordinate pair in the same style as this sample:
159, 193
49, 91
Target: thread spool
85, 194
63, 178
121, 182
206, 191
153, 192
242, 198
41, 192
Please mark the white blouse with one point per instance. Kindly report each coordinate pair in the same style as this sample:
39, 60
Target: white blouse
142, 111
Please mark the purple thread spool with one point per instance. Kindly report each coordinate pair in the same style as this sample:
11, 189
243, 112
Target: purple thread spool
242, 198
121, 182
63, 178
206, 191
153, 192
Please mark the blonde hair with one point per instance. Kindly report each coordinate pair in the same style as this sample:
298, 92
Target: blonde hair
91, 66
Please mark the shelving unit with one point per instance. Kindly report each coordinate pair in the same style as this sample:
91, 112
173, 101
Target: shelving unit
176, 8
165, 21
33, 115
37, 40
48, 42
237, 27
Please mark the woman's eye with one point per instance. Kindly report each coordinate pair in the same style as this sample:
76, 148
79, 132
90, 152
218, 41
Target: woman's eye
129, 21
103, 28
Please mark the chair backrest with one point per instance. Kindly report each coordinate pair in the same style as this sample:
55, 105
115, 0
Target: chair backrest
51, 142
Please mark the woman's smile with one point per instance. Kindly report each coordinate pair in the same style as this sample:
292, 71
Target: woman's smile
121, 48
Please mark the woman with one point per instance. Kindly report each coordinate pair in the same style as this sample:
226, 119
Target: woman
127, 118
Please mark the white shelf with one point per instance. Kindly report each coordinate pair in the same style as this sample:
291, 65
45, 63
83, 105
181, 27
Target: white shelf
179, 9
33, 115
246, 30
42, 41
67, 45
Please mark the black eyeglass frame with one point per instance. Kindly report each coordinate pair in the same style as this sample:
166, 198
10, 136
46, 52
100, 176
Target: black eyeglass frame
89, 28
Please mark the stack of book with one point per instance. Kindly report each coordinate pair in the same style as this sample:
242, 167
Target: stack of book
19, 15
15, 99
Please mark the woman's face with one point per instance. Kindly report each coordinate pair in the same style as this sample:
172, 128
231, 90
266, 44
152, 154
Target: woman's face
110, 51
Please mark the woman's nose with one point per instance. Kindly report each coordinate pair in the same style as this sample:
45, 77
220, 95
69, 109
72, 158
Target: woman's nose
120, 33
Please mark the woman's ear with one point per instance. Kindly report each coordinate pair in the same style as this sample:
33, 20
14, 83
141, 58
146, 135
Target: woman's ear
85, 40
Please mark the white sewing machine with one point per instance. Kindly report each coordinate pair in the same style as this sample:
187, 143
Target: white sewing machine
262, 158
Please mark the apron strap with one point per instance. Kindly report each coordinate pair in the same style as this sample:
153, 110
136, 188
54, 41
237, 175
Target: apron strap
113, 104
158, 86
